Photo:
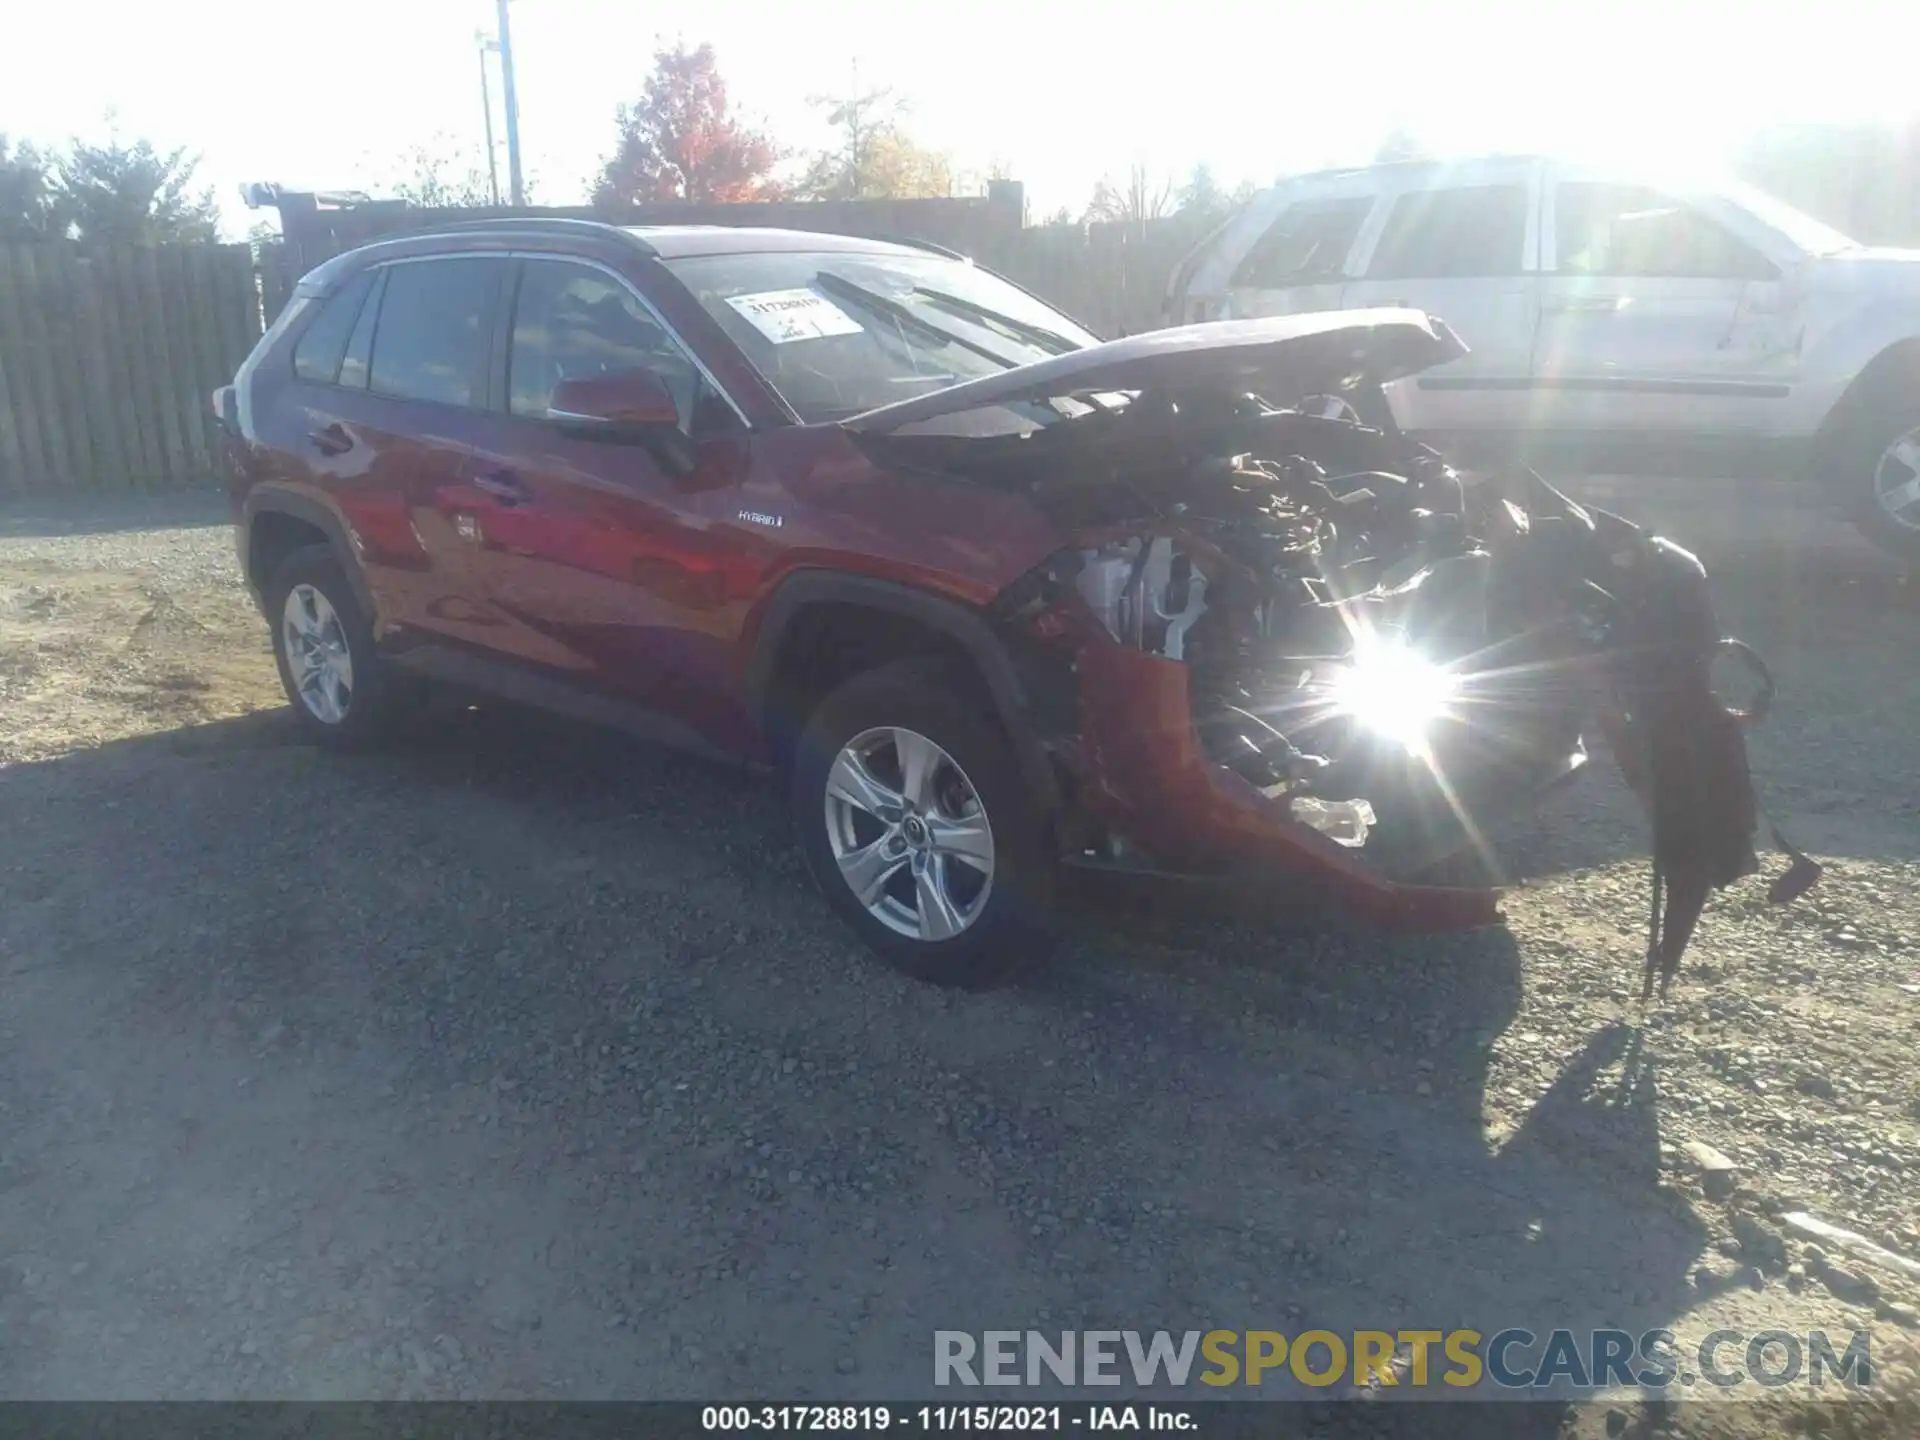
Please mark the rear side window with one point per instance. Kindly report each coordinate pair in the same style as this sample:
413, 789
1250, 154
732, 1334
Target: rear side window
353, 369
1473, 230
317, 355
572, 322
431, 339
1308, 242
1629, 230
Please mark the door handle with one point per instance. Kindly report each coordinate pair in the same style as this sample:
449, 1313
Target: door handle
331, 439
504, 486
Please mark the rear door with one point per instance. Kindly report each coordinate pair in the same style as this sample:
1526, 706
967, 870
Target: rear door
1653, 316
1298, 263
427, 349
1466, 251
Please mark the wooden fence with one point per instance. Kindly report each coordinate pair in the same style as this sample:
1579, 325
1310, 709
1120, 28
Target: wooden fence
108, 358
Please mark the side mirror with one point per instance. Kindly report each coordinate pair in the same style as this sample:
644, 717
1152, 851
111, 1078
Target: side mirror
632, 407
617, 406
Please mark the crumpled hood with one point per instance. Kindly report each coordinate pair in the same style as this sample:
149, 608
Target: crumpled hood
1289, 355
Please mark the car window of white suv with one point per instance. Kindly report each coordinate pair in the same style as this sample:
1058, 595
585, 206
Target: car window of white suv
1467, 231
1629, 230
1308, 241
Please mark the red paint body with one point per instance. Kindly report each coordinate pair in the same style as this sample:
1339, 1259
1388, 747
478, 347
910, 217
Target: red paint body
590, 562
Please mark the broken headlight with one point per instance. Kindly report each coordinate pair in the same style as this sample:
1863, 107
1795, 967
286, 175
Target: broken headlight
1392, 690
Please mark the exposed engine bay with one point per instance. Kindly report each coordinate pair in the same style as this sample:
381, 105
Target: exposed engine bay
1289, 641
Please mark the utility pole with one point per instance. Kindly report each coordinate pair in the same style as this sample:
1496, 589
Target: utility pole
514, 189
486, 109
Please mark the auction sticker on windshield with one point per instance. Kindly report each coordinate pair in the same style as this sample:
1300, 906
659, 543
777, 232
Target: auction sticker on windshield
784, 316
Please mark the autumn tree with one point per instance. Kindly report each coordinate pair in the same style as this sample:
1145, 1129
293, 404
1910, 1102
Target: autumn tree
875, 158
26, 195
683, 141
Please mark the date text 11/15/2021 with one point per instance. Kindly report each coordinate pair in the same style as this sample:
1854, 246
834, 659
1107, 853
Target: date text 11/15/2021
1040, 1419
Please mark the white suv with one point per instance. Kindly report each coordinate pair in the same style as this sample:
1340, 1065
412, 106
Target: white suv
1641, 326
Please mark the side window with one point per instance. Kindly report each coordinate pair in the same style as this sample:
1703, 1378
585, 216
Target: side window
430, 341
1307, 242
1473, 230
317, 355
1631, 231
353, 368
571, 322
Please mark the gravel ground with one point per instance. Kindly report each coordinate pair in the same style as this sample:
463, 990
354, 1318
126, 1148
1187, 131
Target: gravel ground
525, 1063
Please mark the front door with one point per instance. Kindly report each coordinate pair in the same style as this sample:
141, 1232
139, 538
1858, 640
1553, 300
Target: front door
607, 569
1465, 253
1655, 318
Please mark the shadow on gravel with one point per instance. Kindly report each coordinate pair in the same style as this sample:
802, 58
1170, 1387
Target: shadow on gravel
526, 1020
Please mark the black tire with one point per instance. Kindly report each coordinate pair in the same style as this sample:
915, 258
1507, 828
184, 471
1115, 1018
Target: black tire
369, 711
1865, 466
1009, 928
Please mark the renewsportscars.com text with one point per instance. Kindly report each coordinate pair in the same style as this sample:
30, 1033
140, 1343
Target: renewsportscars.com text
1726, 1361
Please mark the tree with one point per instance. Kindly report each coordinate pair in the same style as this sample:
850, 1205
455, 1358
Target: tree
442, 175
682, 140
875, 159
1202, 196
1142, 200
26, 198
131, 194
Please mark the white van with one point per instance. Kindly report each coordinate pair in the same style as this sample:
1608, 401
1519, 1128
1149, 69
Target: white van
1656, 326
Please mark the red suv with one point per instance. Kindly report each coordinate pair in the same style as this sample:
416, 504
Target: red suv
991, 596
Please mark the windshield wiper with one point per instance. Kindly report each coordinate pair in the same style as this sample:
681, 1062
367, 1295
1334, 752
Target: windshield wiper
1052, 341
906, 315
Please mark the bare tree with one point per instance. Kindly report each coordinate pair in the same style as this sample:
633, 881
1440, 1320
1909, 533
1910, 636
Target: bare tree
1142, 198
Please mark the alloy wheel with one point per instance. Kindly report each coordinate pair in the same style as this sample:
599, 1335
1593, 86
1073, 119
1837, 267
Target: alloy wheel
318, 656
909, 834
1896, 480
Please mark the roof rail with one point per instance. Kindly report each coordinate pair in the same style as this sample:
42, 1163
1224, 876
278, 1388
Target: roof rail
915, 243
539, 225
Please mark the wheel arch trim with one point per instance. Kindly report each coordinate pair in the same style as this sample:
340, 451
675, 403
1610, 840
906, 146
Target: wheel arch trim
967, 628
322, 517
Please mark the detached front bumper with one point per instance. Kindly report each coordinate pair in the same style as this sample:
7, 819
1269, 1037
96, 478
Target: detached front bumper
1144, 775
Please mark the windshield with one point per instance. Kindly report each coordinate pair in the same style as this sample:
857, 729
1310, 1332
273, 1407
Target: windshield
1811, 235
837, 333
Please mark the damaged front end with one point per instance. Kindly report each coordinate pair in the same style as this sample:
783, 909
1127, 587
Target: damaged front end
1289, 647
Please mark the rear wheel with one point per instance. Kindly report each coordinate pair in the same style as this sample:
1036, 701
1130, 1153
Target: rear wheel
323, 644
915, 824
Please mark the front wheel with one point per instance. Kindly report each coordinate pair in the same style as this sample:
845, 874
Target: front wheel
1886, 466
915, 824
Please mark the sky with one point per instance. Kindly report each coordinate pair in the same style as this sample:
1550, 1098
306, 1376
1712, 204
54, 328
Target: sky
331, 96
